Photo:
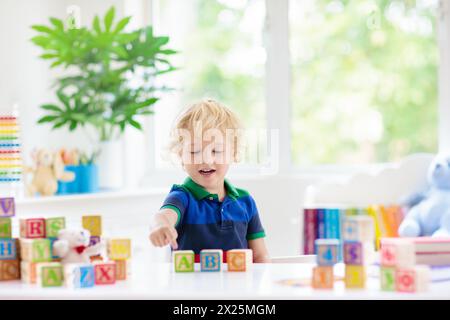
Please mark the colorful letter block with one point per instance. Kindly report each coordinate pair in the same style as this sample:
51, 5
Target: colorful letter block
387, 278
50, 274
9, 270
7, 207
123, 269
358, 253
413, 279
93, 224
211, 260
358, 228
36, 250
79, 275
32, 228
397, 252
28, 271
8, 249
323, 277
105, 272
239, 260
355, 277
5, 228
327, 251
53, 225
119, 249
184, 260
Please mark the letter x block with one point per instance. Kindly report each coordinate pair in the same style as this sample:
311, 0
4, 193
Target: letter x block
5, 228
184, 260
36, 250
239, 259
50, 274
327, 251
32, 228
323, 277
413, 279
7, 207
211, 260
397, 252
105, 272
53, 225
9, 270
79, 275
93, 224
8, 249
355, 277
119, 249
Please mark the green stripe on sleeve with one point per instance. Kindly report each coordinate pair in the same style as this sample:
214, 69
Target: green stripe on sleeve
169, 206
257, 235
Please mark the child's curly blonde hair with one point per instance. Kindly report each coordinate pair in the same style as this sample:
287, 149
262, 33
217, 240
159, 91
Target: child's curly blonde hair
202, 116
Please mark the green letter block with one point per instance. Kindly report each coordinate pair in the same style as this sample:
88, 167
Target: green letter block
184, 260
53, 225
5, 228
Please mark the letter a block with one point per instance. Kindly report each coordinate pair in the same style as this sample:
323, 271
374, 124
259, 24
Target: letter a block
396, 252
32, 228
8, 249
53, 225
413, 279
79, 275
387, 278
323, 277
184, 260
239, 259
35, 250
105, 272
9, 270
7, 207
327, 251
119, 249
50, 274
5, 228
355, 277
93, 224
211, 260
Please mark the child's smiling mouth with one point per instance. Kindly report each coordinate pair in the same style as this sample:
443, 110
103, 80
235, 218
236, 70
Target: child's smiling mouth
206, 172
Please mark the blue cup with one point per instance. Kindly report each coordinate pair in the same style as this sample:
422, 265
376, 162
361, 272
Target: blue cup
88, 182
72, 186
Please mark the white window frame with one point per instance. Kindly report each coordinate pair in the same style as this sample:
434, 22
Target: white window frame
278, 97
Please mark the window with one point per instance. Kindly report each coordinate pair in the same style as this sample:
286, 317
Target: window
221, 56
364, 80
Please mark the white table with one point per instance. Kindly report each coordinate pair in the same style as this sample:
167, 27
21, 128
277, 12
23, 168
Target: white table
154, 280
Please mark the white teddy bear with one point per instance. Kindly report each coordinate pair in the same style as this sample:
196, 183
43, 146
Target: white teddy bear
73, 246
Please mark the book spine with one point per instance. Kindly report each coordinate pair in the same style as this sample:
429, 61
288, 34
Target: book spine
310, 230
321, 223
373, 212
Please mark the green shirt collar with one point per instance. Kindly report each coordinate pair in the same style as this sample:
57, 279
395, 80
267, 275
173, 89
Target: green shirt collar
200, 193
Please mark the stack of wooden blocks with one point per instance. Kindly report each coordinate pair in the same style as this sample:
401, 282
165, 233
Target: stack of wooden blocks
9, 247
358, 249
211, 260
327, 256
398, 269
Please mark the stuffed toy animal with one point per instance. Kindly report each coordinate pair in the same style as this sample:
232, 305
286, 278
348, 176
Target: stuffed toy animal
73, 246
429, 214
48, 169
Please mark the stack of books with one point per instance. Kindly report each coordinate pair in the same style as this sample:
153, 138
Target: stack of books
432, 251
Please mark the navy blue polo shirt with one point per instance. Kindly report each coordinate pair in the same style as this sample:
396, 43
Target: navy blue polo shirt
204, 222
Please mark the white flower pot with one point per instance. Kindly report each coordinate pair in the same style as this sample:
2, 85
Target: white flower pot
110, 165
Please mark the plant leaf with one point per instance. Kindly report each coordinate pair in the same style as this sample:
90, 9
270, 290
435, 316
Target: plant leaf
41, 28
121, 24
47, 119
96, 25
51, 107
57, 23
109, 17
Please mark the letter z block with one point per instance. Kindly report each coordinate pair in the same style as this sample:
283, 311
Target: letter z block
211, 260
36, 250
79, 275
93, 224
50, 274
119, 249
53, 225
327, 251
105, 272
9, 270
5, 228
323, 277
32, 228
239, 260
184, 260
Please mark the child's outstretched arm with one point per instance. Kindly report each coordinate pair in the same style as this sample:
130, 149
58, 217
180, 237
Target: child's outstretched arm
163, 229
260, 253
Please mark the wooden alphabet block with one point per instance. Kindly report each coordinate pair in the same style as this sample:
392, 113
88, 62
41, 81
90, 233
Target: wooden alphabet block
29, 272
387, 278
105, 272
53, 225
96, 258
184, 260
358, 228
355, 277
93, 224
32, 228
50, 274
123, 269
5, 228
119, 249
7, 207
323, 277
79, 275
8, 249
9, 270
239, 260
412, 279
358, 253
36, 250
327, 251
211, 260
397, 252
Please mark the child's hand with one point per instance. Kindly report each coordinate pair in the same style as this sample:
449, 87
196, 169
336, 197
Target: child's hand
163, 235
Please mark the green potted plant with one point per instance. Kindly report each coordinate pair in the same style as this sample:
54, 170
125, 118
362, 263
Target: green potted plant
109, 80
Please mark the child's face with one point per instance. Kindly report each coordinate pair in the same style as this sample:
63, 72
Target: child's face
207, 162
